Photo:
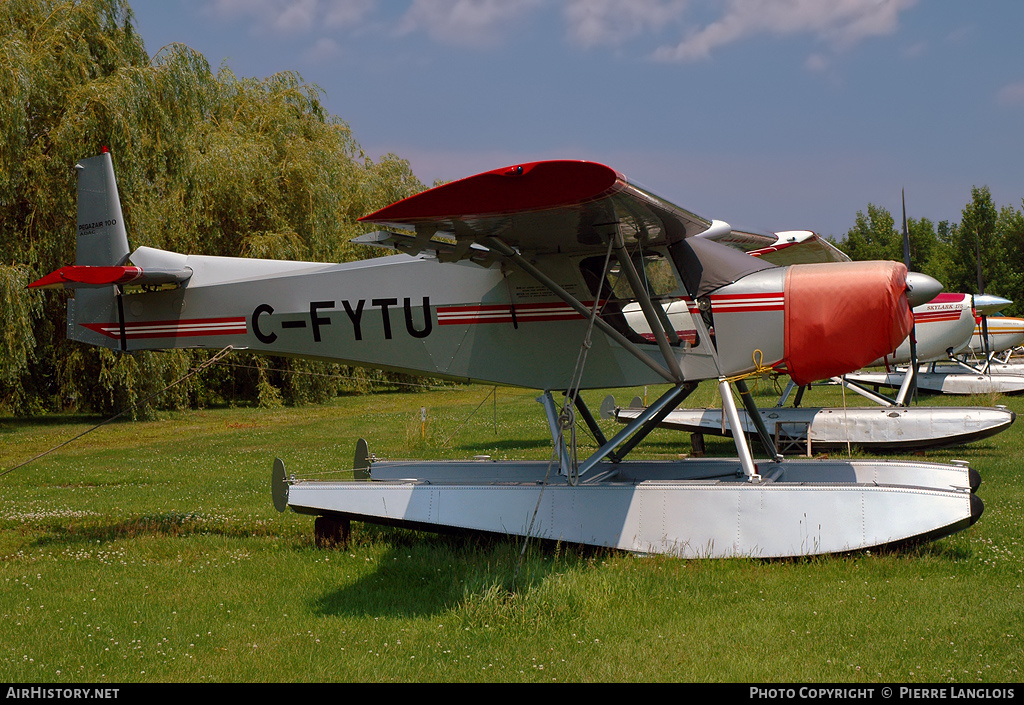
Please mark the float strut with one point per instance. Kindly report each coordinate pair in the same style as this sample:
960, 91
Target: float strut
739, 436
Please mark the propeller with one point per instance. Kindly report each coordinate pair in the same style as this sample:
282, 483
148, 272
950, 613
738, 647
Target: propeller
909, 386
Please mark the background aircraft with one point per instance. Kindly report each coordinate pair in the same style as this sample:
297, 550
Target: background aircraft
943, 327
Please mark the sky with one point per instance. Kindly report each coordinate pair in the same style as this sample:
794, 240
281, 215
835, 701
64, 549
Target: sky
768, 114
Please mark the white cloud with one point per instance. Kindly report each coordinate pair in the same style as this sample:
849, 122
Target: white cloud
915, 50
289, 16
839, 23
465, 22
323, 50
962, 34
611, 22
292, 17
347, 13
817, 63
1011, 94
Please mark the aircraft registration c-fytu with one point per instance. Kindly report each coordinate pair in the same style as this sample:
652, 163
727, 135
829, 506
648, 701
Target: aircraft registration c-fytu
502, 278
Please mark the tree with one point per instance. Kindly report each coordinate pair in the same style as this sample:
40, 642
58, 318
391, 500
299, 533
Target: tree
874, 236
1010, 226
211, 164
951, 252
976, 238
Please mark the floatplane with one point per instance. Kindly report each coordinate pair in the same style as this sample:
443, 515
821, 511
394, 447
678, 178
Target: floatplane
506, 278
958, 374
888, 424
961, 372
943, 328
1009, 361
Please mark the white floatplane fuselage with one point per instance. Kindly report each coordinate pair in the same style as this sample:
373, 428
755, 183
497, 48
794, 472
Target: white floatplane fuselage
508, 277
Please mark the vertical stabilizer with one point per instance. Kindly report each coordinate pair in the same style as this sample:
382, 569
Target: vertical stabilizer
102, 240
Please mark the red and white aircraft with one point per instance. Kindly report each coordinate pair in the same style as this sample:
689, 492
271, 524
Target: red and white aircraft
955, 373
519, 276
942, 329
1004, 333
942, 326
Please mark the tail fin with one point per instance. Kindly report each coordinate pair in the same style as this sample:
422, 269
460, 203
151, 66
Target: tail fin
96, 313
100, 253
102, 240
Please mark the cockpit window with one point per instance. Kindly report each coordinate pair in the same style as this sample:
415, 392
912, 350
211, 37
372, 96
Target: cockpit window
620, 308
655, 271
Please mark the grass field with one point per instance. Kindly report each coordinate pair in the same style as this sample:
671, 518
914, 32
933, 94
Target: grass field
151, 552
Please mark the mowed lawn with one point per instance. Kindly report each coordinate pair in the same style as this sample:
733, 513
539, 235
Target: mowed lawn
151, 552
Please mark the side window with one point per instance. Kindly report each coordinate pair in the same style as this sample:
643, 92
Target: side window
655, 271
620, 309
658, 276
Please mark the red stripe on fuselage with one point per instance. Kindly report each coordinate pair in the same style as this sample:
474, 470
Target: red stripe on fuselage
748, 303
557, 311
172, 329
503, 313
935, 316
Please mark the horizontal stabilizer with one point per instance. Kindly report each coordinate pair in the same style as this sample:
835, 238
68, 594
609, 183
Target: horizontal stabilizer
84, 276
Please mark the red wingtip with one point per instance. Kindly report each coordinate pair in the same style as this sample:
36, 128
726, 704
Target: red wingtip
522, 187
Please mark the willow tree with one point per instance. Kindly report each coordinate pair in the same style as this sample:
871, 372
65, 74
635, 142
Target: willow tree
206, 163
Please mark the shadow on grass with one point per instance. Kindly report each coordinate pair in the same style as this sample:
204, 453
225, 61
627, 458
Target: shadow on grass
17, 422
165, 524
425, 574
479, 577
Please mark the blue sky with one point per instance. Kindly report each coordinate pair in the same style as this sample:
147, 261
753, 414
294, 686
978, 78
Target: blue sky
768, 114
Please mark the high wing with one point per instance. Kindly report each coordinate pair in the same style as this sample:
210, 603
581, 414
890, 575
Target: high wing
566, 207
781, 248
554, 207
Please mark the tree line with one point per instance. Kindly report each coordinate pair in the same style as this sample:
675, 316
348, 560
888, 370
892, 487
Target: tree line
211, 163
206, 162
983, 252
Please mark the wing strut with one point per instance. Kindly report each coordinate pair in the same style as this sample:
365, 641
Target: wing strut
654, 321
509, 253
119, 294
638, 429
755, 416
739, 436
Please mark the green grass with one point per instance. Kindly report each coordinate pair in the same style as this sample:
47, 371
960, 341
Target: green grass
151, 552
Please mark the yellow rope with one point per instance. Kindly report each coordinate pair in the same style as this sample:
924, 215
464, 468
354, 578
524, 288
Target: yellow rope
759, 368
